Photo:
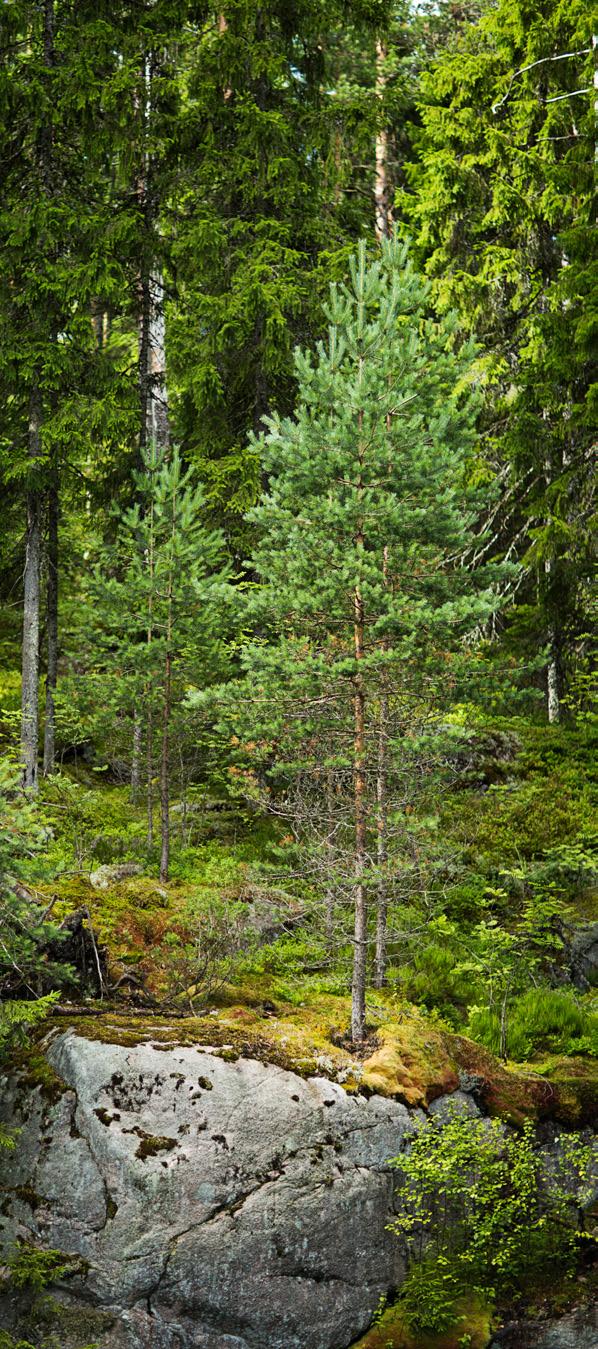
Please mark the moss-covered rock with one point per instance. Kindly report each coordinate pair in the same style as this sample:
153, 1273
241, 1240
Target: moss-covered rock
408, 1058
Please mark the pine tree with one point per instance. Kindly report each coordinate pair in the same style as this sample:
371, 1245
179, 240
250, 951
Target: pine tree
160, 611
367, 509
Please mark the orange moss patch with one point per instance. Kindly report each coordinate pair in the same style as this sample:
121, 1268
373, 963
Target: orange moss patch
411, 1063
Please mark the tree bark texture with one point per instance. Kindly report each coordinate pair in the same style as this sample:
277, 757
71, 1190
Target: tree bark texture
360, 896
381, 185
136, 757
51, 622
381, 846
360, 786
165, 773
31, 607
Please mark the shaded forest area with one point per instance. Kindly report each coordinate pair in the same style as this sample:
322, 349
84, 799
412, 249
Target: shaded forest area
326, 593
297, 701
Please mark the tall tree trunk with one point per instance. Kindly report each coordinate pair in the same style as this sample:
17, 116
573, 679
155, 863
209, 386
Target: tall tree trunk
381, 185
166, 707
159, 421
329, 909
154, 430
359, 784
553, 699
52, 621
33, 543
381, 808
381, 845
149, 768
165, 773
136, 757
31, 607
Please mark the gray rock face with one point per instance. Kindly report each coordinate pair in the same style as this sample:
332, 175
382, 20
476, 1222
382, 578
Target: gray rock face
584, 956
218, 1205
577, 1330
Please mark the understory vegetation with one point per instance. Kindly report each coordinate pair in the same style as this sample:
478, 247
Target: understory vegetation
297, 627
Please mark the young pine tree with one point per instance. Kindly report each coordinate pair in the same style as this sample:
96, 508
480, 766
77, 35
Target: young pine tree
159, 613
361, 530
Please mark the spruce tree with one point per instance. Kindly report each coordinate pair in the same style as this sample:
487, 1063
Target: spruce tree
59, 251
500, 202
361, 528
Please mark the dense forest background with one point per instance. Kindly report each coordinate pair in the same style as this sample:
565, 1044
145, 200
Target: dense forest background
305, 613
297, 703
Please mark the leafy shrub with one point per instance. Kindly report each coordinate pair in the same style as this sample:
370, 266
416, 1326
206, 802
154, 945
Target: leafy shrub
480, 1212
428, 1296
542, 1019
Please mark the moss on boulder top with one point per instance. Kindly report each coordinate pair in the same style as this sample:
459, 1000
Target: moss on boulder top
407, 1057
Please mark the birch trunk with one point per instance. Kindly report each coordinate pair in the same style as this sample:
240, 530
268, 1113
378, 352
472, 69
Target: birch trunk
51, 623
154, 432
381, 187
31, 608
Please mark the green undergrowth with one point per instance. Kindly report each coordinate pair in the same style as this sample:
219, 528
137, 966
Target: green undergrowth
471, 1329
477, 942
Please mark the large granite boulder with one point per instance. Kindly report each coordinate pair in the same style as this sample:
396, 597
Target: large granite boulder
215, 1204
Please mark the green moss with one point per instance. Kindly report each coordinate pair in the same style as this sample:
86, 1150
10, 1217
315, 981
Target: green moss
411, 1063
35, 1073
25, 1193
152, 1144
77, 1325
574, 1084
473, 1319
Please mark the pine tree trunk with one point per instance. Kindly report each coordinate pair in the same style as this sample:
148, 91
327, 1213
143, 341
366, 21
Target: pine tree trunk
149, 768
381, 188
165, 773
136, 758
381, 813
51, 624
381, 846
33, 544
31, 608
329, 913
359, 781
360, 932
166, 707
